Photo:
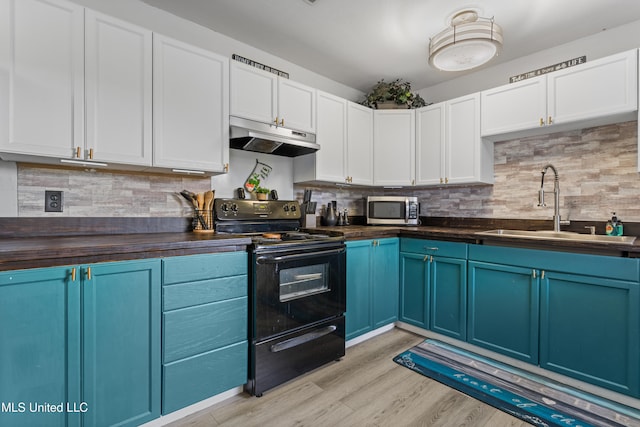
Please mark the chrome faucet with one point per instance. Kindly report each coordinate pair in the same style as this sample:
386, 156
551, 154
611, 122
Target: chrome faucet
556, 194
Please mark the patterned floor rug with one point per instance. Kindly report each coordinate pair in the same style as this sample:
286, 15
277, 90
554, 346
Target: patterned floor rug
536, 400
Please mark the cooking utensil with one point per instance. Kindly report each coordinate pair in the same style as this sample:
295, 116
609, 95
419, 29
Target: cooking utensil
190, 197
208, 205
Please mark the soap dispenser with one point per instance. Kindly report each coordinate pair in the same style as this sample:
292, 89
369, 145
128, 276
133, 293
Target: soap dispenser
611, 229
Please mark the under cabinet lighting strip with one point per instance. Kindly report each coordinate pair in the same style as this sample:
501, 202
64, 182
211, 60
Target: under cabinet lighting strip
83, 163
187, 171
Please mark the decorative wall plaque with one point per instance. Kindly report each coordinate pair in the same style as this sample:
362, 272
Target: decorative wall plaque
253, 63
548, 69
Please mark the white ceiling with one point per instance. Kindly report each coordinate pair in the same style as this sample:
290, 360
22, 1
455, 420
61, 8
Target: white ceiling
358, 42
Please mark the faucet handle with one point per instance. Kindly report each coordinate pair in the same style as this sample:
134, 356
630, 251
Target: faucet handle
592, 229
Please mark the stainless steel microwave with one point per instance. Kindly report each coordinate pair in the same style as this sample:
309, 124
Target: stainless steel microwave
392, 210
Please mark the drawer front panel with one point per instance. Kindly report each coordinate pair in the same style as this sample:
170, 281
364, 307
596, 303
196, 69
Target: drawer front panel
193, 330
202, 267
197, 378
434, 247
183, 295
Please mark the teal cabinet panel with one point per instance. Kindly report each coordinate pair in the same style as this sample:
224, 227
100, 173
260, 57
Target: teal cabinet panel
372, 285
192, 268
191, 380
448, 296
205, 291
434, 247
359, 310
503, 309
414, 290
385, 274
121, 357
590, 330
193, 330
590, 265
39, 345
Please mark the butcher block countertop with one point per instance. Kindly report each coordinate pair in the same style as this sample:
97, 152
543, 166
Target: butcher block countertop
118, 243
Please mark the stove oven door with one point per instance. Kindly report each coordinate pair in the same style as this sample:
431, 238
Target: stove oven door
293, 288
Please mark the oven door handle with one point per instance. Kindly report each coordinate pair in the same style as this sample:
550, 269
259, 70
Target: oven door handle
267, 259
302, 339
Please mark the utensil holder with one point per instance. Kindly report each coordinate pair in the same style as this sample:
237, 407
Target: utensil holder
202, 221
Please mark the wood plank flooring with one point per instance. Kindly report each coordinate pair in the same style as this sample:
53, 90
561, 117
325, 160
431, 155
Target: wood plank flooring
365, 388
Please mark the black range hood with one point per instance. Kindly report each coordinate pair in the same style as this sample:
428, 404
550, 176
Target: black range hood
250, 135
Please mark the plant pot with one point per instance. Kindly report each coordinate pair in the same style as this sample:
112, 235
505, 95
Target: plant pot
390, 105
261, 196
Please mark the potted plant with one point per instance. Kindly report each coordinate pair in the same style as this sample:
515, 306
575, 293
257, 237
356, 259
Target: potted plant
262, 193
395, 94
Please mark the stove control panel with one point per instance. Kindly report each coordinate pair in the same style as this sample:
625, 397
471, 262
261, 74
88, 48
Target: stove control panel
234, 209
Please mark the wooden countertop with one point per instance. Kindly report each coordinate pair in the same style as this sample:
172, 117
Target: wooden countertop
34, 252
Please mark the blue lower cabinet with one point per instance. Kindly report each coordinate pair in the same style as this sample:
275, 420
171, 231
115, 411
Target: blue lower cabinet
372, 285
205, 321
84, 337
39, 345
503, 309
433, 286
590, 330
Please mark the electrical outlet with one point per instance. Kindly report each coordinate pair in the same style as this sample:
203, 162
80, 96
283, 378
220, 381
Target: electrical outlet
53, 201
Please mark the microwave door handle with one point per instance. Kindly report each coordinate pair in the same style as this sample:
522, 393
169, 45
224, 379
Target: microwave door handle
269, 259
406, 211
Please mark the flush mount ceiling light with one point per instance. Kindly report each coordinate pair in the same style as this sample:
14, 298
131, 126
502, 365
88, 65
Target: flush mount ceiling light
469, 42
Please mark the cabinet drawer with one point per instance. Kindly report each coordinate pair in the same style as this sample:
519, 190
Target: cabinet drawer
202, 267
188, 294
191, 380
194, 330
434, 247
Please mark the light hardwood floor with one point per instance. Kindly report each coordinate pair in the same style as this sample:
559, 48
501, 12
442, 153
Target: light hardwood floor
365, 388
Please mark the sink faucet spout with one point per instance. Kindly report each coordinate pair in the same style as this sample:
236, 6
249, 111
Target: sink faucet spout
556, 194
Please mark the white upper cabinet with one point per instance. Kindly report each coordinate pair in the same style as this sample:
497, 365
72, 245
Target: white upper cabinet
594, 93
359, 144
118, 91
345, 134
41, 77
394, 147
190, 107
265, 97
448, 145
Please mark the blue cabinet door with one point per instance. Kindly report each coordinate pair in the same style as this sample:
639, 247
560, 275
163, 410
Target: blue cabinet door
121, 336
590, 330
39, 345
358, 316
414, 290
448, 296
385, 277
503, 309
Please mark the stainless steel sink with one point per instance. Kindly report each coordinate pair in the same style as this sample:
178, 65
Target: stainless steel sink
559, 235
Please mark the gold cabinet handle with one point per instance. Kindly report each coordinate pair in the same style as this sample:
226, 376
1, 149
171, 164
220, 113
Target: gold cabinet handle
541, 121
534, 274
73, 274
226, 167
426, 257
78, 152
549, 120
90, 153
276, 121
88, 273
282, 122
431, 258
542, 274
441, 180
446, 180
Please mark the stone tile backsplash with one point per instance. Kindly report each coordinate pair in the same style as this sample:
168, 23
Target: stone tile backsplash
597, 167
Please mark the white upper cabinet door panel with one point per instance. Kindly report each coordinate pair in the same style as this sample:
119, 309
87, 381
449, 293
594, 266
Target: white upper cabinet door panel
603, 87
394, 147
332, 135
463, 137
359, 144
118, 90
514, 107
296, 105
41, 77
430, 144
253, 93
190, 107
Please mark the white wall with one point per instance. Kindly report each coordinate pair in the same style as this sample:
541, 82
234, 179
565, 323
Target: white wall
599, 45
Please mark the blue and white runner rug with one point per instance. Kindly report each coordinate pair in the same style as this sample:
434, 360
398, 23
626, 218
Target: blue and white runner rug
533, 399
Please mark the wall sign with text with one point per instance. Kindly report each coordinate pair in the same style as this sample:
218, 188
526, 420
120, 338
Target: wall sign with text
548, 69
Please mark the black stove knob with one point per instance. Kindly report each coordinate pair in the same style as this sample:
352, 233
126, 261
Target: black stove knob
224, 207
234, 207
293, 208
286, 208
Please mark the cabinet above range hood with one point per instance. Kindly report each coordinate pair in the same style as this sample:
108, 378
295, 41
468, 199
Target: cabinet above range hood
260, 137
